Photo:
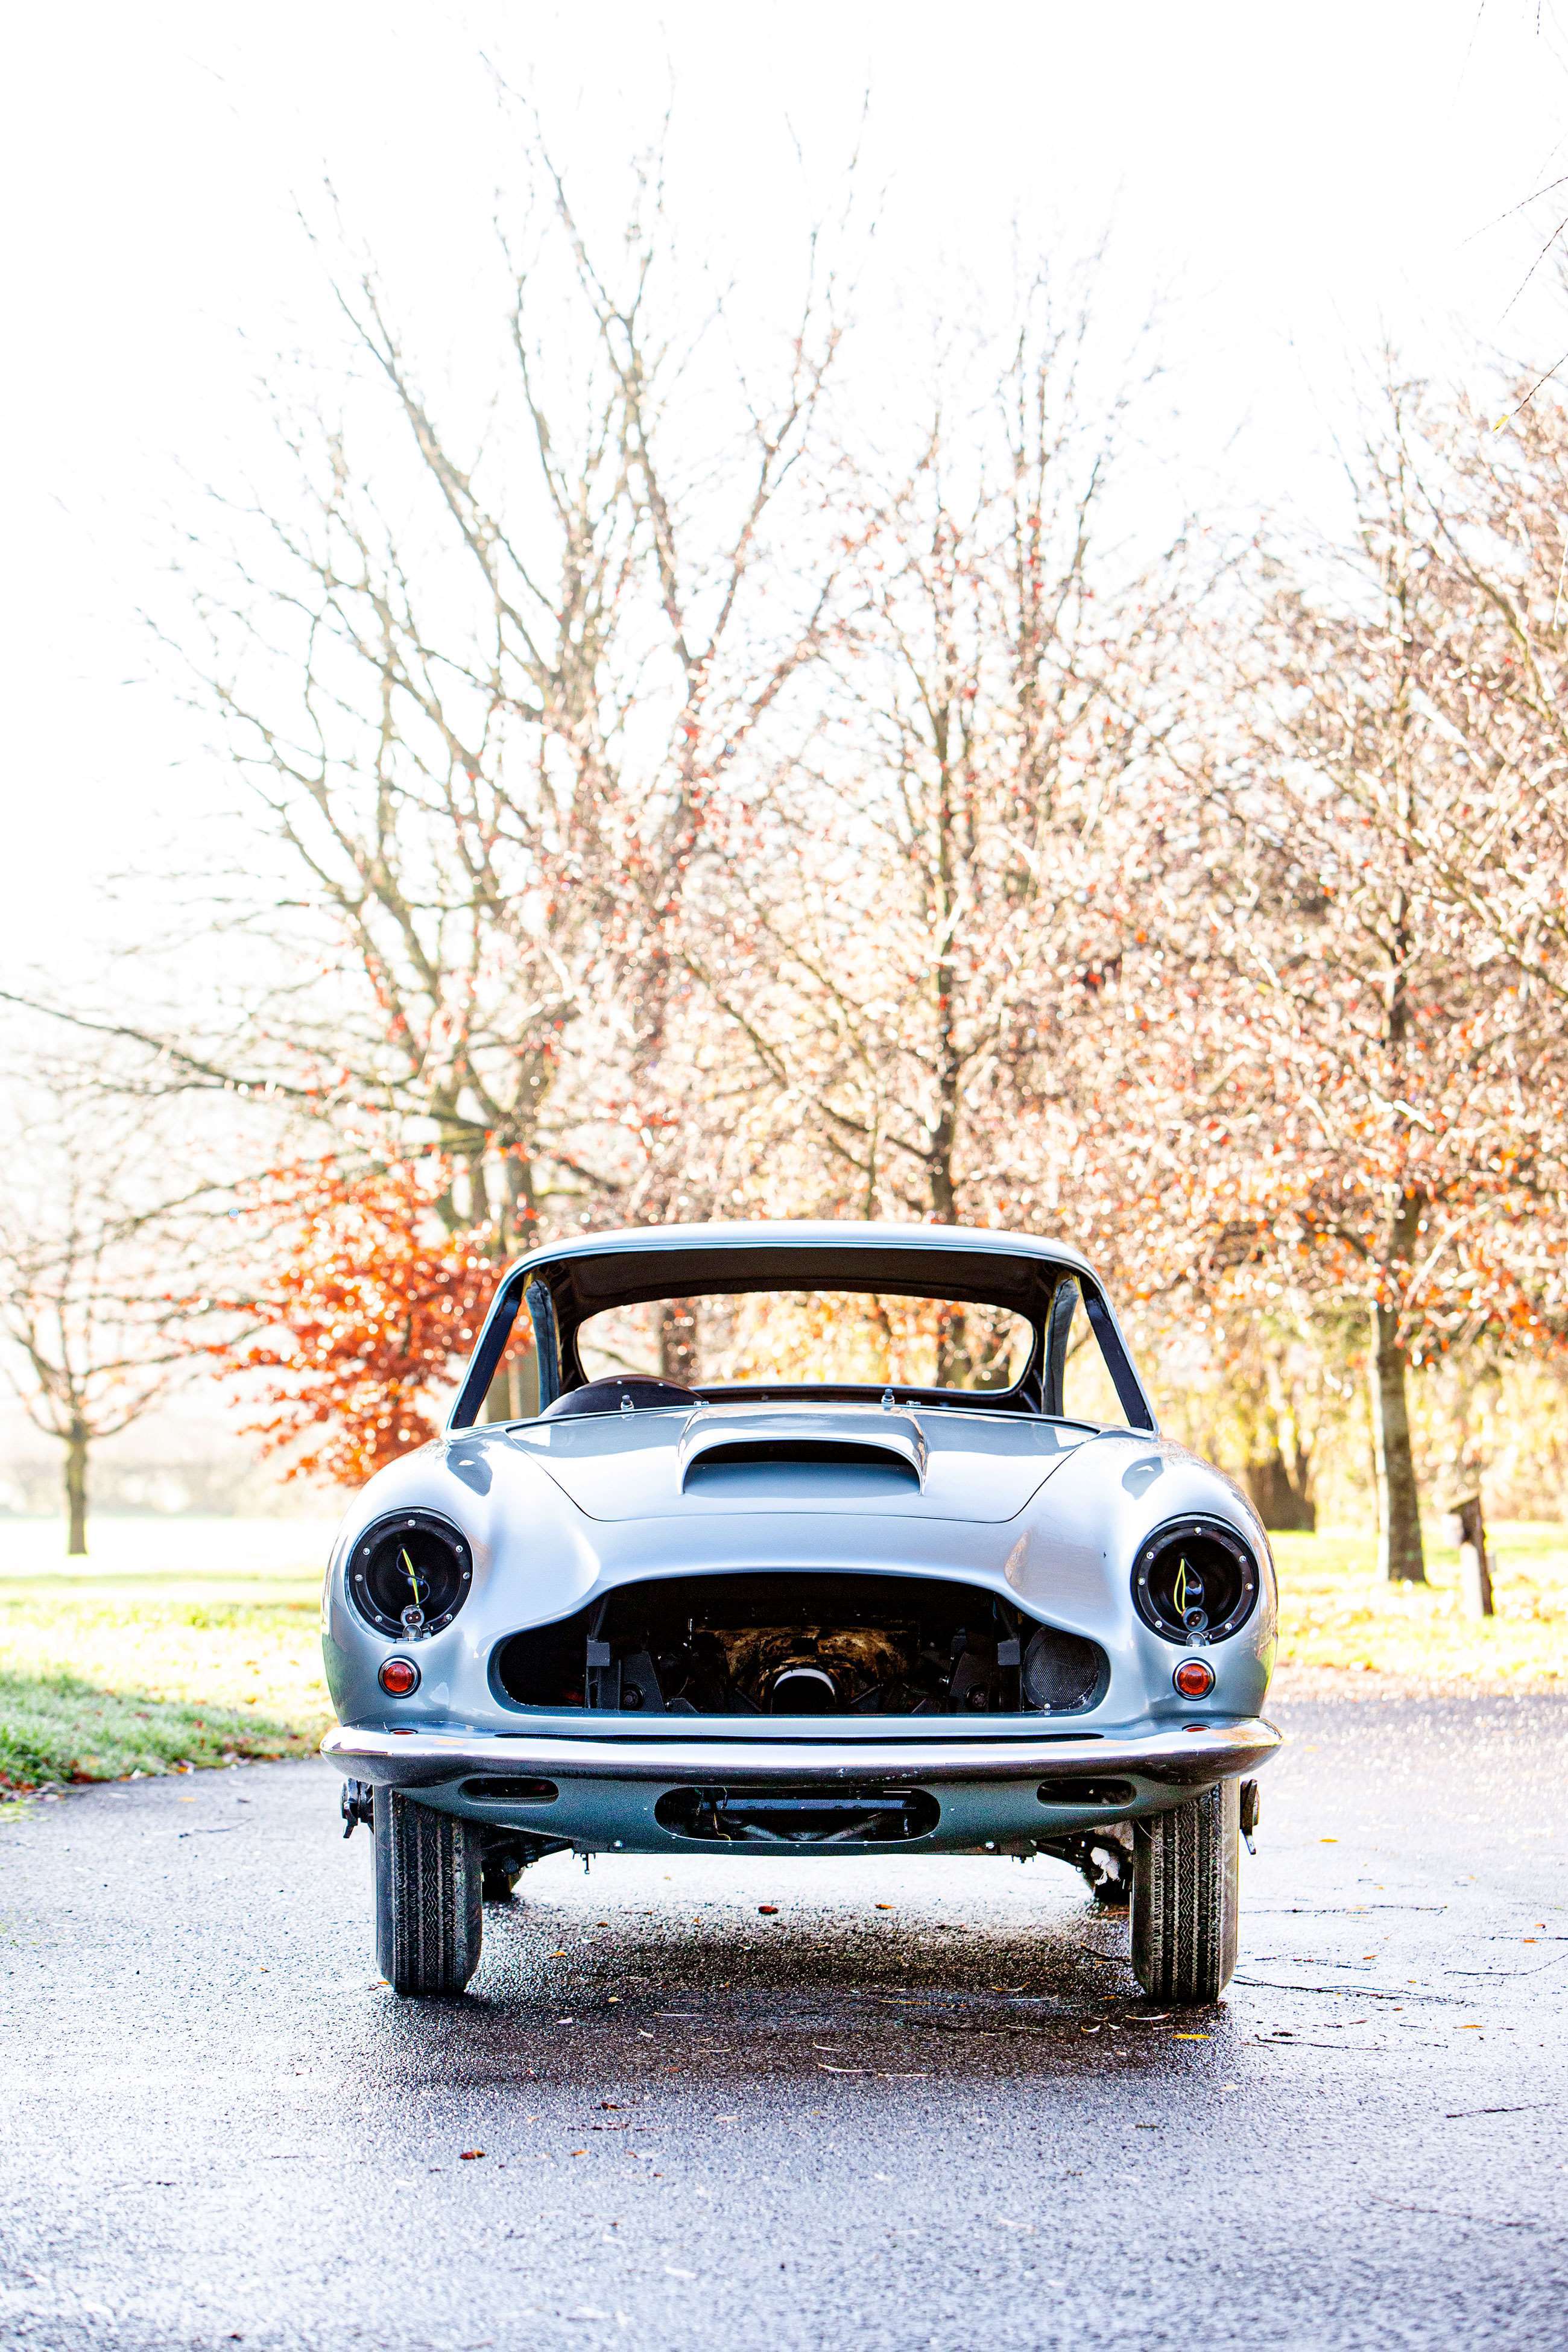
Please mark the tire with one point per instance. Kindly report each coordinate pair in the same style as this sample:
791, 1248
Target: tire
429, 1923
1185, 1898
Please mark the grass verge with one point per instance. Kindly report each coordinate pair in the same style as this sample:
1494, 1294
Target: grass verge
106, 1673
55, 1729
1337, 1618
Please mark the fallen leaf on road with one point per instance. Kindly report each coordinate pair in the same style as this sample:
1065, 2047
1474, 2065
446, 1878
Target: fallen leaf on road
466, 2154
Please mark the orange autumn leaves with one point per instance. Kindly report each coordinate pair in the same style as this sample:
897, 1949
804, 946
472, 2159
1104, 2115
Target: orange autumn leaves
368, 1305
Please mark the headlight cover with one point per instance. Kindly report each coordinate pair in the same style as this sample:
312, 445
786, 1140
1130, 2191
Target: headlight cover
1195, 1581
409, 1574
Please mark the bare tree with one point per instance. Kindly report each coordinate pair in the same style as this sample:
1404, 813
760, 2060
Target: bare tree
485, 684
1366, 1048
940, 904
97, 1302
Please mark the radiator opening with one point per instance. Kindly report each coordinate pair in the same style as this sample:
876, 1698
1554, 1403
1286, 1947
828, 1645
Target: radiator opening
802, 1643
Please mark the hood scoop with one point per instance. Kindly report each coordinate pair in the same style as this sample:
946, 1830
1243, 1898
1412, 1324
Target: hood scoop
864, 1460
766, 1457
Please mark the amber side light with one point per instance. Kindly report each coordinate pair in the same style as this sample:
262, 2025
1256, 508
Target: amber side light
1194, 1678
398, 1677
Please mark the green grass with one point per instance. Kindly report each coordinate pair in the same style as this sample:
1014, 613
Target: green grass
1336, 1616
115, 1665
58, 1729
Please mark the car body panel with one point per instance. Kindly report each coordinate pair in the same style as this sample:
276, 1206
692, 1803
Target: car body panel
964, 1464
1048, 1514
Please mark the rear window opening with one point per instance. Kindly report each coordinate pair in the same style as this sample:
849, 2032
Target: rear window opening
801, 1644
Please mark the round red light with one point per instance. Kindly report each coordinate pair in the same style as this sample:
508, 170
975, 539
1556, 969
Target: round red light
400, 1676
1194, 1678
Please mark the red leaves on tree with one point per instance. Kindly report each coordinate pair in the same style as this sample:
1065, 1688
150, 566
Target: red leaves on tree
369, 1306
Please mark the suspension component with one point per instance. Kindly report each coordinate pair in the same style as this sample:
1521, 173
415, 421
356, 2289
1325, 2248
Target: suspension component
355, 1805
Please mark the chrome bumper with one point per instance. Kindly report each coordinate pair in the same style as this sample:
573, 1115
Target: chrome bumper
1191, 1754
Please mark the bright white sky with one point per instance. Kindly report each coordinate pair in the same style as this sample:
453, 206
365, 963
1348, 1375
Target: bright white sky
1300, 180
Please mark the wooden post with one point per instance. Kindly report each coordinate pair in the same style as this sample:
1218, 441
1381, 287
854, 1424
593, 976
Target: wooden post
1475, 1566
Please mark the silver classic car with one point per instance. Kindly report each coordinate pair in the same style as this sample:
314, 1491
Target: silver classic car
804, 1539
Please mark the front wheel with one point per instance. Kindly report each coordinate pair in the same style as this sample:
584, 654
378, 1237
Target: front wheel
1185, 1898
429, 1922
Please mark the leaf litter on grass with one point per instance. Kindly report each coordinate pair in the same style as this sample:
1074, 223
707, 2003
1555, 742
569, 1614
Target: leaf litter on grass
57, 1728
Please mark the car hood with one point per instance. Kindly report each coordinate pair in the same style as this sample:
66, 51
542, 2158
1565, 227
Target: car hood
941, 1463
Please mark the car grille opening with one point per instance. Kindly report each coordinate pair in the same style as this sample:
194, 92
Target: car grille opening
839, 1816
1062, 1672
801, 1643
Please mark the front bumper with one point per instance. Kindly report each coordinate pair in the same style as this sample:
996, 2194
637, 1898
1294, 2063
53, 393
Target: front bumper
1009, 1795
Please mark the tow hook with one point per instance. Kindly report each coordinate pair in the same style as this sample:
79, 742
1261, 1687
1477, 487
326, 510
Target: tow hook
357, 1806
1249, 1812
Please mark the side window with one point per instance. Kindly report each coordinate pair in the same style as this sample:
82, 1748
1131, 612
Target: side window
513, 1391
1089, 1393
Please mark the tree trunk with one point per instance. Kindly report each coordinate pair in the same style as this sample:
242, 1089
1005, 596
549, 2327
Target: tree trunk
75, 1490
1400, 1556
678, 1341
1280, 1504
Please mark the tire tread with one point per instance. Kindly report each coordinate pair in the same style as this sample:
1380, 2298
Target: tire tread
1185, 1905
429, 1917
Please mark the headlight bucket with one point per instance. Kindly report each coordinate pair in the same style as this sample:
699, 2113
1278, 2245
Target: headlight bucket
1195, 1581
409, 1574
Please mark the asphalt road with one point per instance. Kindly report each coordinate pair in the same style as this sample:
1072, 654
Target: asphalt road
919, 2104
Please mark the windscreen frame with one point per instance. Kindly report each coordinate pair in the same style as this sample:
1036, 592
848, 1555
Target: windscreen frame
561, 1292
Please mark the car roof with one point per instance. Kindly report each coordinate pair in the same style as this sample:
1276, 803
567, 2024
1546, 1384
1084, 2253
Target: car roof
790, 1235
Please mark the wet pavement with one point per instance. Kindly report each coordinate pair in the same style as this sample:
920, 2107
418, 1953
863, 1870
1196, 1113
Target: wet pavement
917, 2104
